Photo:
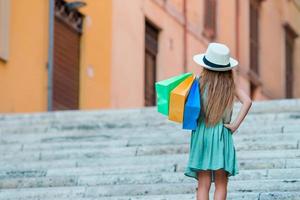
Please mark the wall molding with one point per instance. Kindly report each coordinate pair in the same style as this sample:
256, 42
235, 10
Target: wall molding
73, 18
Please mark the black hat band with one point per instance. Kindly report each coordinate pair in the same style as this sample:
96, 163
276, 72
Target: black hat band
207, 62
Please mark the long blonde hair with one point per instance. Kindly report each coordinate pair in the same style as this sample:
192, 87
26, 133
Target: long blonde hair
220, 89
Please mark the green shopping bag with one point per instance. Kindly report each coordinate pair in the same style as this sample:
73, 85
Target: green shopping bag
163, 89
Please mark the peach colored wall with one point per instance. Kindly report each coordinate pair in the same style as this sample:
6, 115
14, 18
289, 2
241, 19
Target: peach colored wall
243, 45
196, 43
168, 15
226, 24
127, 54
274, 14
170, 56
272, 66
23, 78
128, 46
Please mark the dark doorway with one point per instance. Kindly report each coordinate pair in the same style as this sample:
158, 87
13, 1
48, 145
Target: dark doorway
67, 32
151, 50
254, 45
290, 36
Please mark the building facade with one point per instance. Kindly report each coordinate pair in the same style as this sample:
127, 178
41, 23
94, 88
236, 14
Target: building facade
83, 58
109, 54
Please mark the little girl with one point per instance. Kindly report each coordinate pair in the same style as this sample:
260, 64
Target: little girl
212, 155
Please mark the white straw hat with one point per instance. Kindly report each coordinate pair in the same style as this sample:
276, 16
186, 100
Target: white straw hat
216, 58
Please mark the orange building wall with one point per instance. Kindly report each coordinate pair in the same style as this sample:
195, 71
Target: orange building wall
95, 66
23, 78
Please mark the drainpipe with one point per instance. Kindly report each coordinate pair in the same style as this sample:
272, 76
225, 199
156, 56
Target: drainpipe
50, 54
237, 30
185, 35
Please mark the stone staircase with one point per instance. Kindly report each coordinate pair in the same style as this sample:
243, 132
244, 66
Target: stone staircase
137, 154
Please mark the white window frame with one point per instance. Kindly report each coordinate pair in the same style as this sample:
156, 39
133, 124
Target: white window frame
4, 29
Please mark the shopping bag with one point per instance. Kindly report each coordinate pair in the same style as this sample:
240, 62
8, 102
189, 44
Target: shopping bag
178, 98
192, 107
163, 89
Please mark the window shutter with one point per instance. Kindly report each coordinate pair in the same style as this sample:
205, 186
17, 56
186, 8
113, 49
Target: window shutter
210, 18
151, 50
66, 69
290, 36
254, 37
253, 73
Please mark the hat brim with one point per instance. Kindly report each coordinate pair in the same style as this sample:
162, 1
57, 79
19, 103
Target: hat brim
198, 58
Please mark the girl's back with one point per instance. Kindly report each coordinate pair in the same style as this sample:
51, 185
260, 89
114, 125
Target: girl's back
211, 145
227, 114
212, 155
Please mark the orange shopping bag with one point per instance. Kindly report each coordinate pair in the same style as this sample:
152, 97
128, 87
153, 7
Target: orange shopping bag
177, 99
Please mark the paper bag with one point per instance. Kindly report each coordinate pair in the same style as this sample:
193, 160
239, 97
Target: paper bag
192, 107
163, 89
178, 98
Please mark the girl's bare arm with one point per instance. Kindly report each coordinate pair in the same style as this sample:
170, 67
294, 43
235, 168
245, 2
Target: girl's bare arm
246, 104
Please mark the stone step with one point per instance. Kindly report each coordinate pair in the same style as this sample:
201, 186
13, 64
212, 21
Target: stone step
132, 150
136, 150
230, 196
260, 167
161, 188
73, 142
134, 177
100, 125
98, 120
265, 159
244, 173
111, 134
262, 148
52, 193
291, 185
258, 107
140, 154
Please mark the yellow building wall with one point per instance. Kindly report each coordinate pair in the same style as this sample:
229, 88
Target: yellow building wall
95, 67
23, 78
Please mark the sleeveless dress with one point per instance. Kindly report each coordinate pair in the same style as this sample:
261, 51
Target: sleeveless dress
212, 148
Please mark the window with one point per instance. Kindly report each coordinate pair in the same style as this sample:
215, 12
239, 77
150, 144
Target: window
209, 19
151, 50
254, 34
290, 36
254, 45
4, 29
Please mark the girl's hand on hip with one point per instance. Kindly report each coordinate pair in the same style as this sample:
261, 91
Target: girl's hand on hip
231, 126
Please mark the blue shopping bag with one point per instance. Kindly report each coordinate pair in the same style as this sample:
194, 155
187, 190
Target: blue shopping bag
192, 107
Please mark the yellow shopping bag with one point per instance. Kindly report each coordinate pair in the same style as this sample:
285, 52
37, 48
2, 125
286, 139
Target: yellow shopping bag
177, 99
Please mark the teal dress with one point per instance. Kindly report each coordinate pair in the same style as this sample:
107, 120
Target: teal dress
212, 148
